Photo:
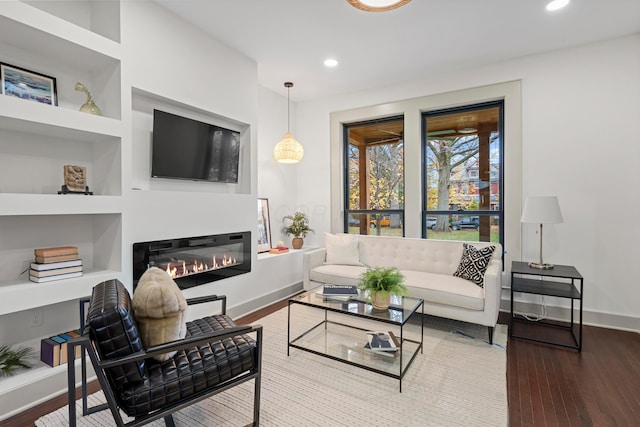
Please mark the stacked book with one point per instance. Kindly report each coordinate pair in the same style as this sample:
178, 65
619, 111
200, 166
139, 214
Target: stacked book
382, 343
338, 292
279, 250
53, 350
57, 263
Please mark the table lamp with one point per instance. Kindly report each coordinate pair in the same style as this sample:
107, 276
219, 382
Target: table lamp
541, 210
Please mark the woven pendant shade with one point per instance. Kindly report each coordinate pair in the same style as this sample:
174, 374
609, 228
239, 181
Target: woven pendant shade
288, 150
377, 5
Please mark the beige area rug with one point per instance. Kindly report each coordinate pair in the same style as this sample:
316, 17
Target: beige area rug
459, 380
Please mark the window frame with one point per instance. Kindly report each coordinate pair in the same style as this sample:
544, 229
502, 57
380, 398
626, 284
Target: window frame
345, 158
500, 213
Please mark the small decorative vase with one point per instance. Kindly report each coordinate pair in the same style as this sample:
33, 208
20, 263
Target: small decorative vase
297, 242
381, 300
91, 108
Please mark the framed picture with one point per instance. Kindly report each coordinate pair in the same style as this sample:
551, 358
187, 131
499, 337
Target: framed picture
264, 229
26, 84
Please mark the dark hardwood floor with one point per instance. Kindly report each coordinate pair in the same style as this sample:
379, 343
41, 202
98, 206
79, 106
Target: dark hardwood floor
547, 386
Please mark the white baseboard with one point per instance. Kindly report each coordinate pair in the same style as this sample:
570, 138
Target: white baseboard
263, 301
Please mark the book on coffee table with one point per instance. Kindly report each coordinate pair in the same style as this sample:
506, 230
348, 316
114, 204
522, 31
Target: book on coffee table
383, 343
338, 292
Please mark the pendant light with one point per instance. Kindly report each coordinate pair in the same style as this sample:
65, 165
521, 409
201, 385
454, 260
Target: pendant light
377, 5
288, 150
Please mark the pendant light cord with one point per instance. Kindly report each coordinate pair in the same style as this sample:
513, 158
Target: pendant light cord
288, 110
288, 85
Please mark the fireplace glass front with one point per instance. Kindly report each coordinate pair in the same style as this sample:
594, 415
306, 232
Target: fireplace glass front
194, 261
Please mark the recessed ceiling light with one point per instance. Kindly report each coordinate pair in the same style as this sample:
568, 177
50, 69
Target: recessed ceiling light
331, 63
557, 4
377, 5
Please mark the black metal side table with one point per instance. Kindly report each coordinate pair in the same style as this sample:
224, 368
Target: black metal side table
562, 281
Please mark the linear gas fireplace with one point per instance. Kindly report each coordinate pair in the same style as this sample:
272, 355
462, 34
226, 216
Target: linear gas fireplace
193, 261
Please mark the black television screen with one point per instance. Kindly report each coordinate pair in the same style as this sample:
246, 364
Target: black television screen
183, 148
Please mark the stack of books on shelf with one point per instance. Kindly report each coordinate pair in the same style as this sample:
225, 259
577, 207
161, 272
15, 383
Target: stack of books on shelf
53, 350
57, 263
382, 343
338, 292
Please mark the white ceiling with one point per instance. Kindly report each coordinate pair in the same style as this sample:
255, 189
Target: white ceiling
290, 39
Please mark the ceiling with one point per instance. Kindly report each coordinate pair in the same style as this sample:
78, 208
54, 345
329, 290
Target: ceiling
290, 39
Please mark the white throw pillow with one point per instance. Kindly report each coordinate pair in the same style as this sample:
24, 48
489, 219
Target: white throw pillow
342, 249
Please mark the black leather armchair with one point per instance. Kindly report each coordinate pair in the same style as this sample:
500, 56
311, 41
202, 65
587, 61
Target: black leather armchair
215, 355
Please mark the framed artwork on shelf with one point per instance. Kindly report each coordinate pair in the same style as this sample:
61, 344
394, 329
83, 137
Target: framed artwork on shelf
28, 85
264, 229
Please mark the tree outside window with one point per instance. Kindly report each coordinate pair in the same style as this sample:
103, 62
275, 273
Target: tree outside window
463, 168
374, 192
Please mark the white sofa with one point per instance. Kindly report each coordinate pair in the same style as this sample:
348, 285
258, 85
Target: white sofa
428, 266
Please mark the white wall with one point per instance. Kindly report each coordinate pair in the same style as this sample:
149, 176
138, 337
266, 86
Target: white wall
276, 181
186, 69
579, 107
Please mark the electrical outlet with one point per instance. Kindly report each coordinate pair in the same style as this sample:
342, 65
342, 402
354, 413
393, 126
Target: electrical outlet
35, 318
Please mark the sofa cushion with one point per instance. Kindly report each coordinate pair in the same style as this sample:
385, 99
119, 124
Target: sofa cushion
474, 263
160, 310
446, 290
337, 274
342, 249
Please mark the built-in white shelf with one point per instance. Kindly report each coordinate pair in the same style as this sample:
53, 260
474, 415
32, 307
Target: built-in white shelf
46, 44
49, 35
20, 115
22, 294
267, 255
37, 140
57, 204
71, 41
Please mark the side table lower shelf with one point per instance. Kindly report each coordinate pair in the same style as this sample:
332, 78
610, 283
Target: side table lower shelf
521, 328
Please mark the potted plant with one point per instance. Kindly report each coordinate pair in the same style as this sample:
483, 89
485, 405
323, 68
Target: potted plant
381, 282
296, 225
13, 359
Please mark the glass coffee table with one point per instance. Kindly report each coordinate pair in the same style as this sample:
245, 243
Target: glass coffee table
336, 329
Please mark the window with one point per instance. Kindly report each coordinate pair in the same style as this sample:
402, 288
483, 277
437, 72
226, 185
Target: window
463, 170
374, 178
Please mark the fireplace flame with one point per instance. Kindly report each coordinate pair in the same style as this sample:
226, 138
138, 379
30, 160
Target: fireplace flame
199, 266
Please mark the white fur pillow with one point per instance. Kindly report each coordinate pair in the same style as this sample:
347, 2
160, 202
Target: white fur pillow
159, 309
342, 249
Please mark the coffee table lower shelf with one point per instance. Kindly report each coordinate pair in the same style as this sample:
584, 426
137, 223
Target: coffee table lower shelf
345, 343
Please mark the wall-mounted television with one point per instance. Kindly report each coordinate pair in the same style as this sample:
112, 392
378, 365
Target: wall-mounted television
183, 148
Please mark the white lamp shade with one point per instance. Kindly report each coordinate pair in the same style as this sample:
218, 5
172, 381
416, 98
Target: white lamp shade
542, 210
288, 150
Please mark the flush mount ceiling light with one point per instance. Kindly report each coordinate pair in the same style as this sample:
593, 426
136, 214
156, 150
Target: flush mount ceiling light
467, 126
288, 150
377, 5
556, 4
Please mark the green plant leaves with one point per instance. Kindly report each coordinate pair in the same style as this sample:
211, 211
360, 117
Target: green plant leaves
386, 279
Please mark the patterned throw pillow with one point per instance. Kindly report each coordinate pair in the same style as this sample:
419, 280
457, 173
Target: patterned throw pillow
474, 263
